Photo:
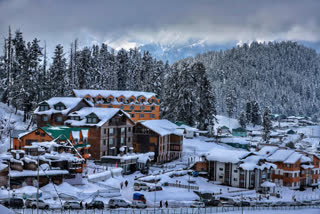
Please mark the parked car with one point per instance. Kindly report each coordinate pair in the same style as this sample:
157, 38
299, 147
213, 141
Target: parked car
13, 203
72, 205
140, 186
154, 188
116, 203
139, 197
95, 205
198, 204
32, 203
280, 203
138, 204
213, 203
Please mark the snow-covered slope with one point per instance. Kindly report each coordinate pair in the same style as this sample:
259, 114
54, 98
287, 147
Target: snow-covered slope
231, 123
9, 118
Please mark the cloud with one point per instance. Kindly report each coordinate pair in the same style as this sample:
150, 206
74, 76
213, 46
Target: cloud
126, 23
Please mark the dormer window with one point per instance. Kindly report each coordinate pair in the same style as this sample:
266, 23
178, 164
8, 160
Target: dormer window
59, 106
142, 100
43, 107
131, 100
92, 118
76, 118
109, 100
99, 99
121, 100
152, 100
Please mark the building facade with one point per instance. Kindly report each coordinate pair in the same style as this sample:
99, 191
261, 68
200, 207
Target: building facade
139, 105
159, 136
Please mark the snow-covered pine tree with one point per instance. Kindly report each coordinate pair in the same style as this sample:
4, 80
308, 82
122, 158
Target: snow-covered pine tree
122, 58
267, 124
231, 101
207, 100
255, 116
243, 120
57, 72
84, 68
248, 112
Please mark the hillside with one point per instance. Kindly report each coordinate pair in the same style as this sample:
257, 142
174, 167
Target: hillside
283, 76
9, 121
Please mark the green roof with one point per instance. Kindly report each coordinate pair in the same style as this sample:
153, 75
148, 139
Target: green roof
240, 129
63, 131
81, 145
179, 123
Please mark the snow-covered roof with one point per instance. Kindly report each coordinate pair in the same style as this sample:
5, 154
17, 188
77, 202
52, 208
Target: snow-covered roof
104, 115
105, 93
162, 127
76, 135
252, 162
268, 184
293, 158
3, 166
267, 150
69, 102
226, 155
27, 173
239, 140
16, 133
280, 155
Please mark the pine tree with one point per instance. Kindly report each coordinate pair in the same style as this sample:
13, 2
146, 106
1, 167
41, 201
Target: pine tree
255, 116
267, 124
58, 70
231, 100
248, 113
243, 120
122, 58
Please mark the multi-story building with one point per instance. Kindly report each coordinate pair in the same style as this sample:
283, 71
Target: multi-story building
162, 137
71, 136
139, 105
238, 168
111, 130
54, 111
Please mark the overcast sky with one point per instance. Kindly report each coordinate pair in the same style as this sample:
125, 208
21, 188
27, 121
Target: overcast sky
124, 23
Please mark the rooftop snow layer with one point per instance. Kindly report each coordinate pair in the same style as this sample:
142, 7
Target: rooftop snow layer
162, 127
69, 102
267, 150
280, 155
293, 158
105, 93
104, 115
226, 155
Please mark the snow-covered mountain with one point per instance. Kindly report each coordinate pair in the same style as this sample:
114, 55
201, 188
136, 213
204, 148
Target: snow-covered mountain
174, 51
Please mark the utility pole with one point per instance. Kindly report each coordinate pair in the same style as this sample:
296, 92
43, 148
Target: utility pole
38, 183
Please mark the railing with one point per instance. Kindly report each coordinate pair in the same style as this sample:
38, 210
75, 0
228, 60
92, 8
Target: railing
181, 210
182, 186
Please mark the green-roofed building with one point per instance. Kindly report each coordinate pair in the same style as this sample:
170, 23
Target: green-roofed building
239, 132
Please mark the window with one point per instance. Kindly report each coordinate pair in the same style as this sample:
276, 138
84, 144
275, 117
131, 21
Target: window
122, 140
104, 142
132, 115
131, 100
92, 120
111, 131
131, 107
129, 139
109, 100
152, 100
110, 141
142, 100
59, 119
235, 171
44, 118
221, 169
152, 115
220, 177
235, 179
142, 107
44, 107
121, 107
99, 99
103, 153
42, 134
121, 100
110, 106
88, 98
104, 131
60, 107
152, 108
129, 129
141, 115
123, 130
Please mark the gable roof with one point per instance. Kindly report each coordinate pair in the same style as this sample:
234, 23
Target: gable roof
105, 93
280, 155
18, 133
226, 155
69, 102
104, 115
162, 127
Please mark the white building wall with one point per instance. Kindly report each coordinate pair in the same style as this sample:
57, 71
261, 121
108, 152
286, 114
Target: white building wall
220, 173
235, 176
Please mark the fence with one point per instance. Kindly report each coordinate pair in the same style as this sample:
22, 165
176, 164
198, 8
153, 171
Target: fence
181, 186
182, 210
